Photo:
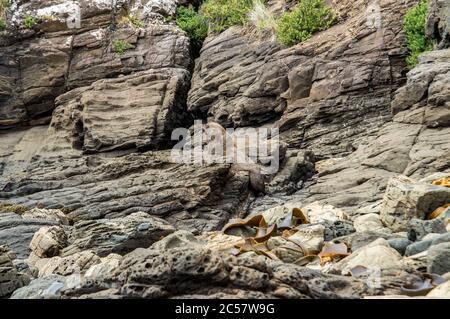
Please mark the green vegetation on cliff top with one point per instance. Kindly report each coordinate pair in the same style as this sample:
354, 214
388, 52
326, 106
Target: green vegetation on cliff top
414, 24
215, 16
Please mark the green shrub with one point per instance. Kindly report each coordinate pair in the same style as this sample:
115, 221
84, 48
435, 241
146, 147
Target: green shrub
222, 14
28, 22
193, 23
308, 17
120, 46
4, 6
414, 24
136, 22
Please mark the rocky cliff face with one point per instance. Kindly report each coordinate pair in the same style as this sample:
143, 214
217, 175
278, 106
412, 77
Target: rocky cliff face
88, 187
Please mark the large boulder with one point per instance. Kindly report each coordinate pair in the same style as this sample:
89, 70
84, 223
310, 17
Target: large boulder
138, 111
17, 231
48, 241
41, 288
377, 255
120, 235
439, 259
424, 98
406, 199
10, 278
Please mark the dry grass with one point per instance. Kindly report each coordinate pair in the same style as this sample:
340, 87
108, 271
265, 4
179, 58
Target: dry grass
6, 207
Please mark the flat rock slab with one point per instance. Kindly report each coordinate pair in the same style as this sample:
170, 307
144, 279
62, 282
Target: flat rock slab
94, 187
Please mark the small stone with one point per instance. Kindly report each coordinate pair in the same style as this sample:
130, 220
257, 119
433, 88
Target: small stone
312, 236
417, 247
337, 229
318, 213
358, 240
287, 251
180, 238
368, 222
399, 244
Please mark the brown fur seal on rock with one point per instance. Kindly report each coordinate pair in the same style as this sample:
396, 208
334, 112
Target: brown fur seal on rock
256, 178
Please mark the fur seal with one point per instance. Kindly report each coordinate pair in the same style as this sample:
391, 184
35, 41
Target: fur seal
256, 178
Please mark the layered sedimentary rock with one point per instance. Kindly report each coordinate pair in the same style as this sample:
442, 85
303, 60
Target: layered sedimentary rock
415, 143
130, 222
346, 74
94, 187
438, 22
72, 44
138, 112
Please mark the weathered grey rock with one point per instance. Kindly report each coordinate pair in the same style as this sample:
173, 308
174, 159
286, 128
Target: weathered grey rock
404, 146
294, 172
424, 99
92, 187
10, 278
78, 49
238, 84
426, 243
418, 247
17, 232
48, 241
148, 273
438, 22
318, 213
120, 235
285, 250
313, 87
406, 199
181, 238
423, 227
358, 240
47, 214
338, 229
377, 255
138, 111
400, 244
41, 288
312, 236
76, 263
438, 259
107, 265
368, 222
